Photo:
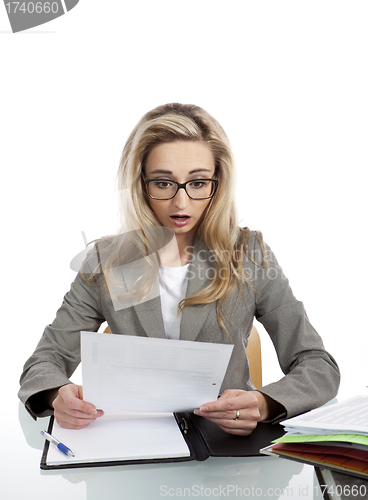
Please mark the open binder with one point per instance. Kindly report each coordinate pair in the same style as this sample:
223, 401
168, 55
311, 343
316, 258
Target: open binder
186, 437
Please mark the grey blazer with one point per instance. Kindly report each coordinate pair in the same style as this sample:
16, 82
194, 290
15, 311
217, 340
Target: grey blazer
311, 374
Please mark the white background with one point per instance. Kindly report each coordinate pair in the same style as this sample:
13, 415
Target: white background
287, 80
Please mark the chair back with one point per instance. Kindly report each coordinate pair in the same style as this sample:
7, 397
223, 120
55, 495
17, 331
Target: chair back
255, 357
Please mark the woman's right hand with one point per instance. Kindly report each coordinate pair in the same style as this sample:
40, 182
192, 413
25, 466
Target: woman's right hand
71, 411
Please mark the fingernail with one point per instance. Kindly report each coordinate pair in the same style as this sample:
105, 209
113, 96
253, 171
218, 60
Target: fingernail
93, 411
197, 412
203, 408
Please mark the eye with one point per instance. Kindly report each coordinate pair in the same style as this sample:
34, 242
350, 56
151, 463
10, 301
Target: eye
162, 184
198, 184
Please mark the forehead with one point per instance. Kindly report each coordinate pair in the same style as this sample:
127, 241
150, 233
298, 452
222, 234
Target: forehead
180, 155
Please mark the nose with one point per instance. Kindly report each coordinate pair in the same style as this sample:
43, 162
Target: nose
181, 199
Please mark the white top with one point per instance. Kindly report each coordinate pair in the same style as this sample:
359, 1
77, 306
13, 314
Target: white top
173, 286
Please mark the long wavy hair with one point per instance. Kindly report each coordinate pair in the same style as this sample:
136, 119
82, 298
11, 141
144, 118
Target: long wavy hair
218, 227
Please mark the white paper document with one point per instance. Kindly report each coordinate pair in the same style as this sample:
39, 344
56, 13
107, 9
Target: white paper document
110, 439
127, 373
350, 416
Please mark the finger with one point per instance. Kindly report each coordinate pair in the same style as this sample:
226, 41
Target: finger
63, 408
249, 414
217, 415
73, 419
244, 414
232, 400
70, 422
226, 404
222, 409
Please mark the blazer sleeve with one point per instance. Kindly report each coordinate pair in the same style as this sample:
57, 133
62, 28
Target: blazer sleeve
312, 376
58, 353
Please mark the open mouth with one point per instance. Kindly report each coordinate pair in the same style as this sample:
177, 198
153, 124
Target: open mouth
180, 217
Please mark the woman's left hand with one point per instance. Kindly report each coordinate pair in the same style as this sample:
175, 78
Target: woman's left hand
236, 411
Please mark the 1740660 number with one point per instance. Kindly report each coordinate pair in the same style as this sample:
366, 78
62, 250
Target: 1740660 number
346, 490
32, 7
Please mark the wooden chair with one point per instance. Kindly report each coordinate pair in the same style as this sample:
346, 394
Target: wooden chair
254, 356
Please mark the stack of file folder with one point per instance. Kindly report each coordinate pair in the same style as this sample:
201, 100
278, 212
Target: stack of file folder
334, 437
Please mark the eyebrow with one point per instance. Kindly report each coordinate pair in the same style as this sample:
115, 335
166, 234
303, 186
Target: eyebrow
169, 172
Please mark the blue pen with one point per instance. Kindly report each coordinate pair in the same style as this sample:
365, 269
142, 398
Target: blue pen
57, 443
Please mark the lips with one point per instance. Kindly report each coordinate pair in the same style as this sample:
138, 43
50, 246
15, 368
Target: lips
180, 220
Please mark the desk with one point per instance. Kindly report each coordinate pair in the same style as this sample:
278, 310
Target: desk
254, 477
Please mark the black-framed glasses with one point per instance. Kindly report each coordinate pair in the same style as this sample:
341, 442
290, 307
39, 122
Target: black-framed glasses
197, 189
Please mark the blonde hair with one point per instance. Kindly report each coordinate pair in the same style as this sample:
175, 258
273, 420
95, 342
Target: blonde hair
218, 228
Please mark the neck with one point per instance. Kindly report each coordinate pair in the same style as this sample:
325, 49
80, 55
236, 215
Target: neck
185, 246
178, 252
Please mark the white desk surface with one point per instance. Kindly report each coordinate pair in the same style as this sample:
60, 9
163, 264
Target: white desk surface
253, 477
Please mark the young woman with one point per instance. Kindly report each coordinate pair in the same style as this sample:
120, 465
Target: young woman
177, 174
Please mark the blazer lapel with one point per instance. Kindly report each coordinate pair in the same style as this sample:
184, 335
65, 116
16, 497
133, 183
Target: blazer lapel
200, 272
150, 315
148, 309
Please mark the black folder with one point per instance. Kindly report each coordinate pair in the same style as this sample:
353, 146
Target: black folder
204, 439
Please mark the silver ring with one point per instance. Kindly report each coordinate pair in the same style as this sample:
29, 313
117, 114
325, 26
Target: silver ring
237, 415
